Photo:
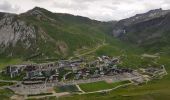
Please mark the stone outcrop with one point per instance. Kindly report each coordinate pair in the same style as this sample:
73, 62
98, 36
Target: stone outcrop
13, 30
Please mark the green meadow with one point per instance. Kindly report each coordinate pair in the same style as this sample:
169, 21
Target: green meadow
101, 85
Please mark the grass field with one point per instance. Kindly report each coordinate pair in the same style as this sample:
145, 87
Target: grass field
5, 94
7, 77
6, 61
69, 88
96, 86
6, 83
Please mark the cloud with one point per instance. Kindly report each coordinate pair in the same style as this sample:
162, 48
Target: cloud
6, 6
103, 10
72, 4
40, 1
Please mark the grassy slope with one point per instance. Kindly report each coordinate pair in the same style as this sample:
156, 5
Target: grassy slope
154, 34
80, 34
68, 31
72, 32
96, 86
6, 61
5, 94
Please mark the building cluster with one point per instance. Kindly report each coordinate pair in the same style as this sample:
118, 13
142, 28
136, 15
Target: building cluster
34, 73
14, 70
40, 73
79, 69
155, 71
100, 67
71, 64
100, 72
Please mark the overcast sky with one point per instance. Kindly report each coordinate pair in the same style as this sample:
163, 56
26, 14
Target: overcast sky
103, 10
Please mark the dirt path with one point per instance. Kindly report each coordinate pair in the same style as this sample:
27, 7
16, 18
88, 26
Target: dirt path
91, 51
150, 56
79, 88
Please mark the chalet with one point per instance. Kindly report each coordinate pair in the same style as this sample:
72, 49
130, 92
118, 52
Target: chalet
14, 70
100, 59
40, 72
115, 60
95, 76
33, 74
30, 68
63, 63
32, 82
102, 73
77, 76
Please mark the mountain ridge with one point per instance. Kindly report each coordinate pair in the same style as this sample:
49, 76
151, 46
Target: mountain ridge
150, 33
40, 32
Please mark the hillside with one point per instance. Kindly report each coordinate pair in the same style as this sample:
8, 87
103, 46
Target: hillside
149, 30
40, 33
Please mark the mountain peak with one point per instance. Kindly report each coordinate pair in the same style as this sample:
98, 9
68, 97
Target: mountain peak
38, 8
156, 10
159, 11
36, 11
155, 13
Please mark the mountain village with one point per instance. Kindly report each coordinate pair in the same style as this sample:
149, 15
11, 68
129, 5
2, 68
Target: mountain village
42, 78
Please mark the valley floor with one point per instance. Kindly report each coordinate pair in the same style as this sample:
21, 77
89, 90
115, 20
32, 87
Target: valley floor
153, 90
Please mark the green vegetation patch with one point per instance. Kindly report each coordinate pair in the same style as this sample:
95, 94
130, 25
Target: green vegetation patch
62, 72
96, 86
8, 61
7, 77
5, 94
67, 88
6, 83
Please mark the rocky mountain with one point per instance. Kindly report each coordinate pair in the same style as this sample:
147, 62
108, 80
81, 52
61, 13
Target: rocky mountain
149, 30
39, 33
15, 32
42, 33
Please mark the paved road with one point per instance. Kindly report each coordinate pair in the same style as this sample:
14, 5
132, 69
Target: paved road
54, 94
115, 78
40, 88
